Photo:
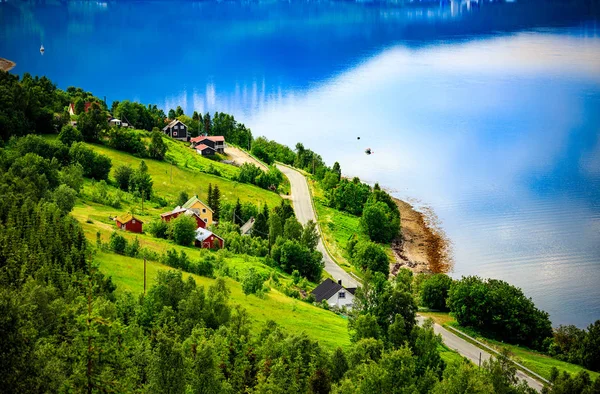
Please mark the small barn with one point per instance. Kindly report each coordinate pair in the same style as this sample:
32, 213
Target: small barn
334, 293
129, 222
168, 216
208, 240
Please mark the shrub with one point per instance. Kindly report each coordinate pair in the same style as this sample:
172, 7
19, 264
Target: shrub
370, 256
183, 230
65, 198
123, 176
379, 222
69, 134
157, 148
117, 243
252, 282
94, 165
434, 291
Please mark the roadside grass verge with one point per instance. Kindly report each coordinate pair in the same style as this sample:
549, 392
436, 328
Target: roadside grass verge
537, 362
294, 315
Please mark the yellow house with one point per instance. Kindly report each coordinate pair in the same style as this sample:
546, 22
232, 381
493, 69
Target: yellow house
201, 208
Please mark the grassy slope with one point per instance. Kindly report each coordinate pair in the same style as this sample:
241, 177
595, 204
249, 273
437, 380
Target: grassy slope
537, 362
337, 228
189, 179
296, 316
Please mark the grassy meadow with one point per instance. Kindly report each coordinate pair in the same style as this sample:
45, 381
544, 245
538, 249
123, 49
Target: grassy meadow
294, 315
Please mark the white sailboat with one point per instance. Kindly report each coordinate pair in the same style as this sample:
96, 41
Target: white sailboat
42, 48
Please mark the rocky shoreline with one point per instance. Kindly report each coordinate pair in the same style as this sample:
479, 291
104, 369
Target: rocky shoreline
6, 65
422, 245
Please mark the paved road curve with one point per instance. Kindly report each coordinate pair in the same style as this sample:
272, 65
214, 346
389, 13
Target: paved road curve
472, 352
305, 212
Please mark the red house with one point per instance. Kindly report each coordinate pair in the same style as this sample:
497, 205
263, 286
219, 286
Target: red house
208, 240
129, 222
168, 216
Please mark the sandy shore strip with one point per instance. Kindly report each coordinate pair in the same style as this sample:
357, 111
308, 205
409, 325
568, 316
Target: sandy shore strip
423, 246
6, 65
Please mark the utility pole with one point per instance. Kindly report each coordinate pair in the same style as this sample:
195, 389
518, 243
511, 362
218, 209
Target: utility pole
142, 202
144, 275
171, 171
479, 359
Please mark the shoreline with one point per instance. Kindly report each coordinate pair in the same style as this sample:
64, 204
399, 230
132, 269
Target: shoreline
422, 246
6, 65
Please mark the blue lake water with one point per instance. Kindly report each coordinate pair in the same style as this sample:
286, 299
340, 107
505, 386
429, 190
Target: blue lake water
488, 113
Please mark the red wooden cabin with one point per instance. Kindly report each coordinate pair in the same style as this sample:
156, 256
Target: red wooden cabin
129, 222
168, 216
208, 240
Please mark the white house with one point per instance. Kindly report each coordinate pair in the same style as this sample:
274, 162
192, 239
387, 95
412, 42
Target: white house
334, 293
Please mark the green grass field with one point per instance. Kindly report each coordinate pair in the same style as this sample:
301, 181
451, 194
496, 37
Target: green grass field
170, 180
537, 362
294, 315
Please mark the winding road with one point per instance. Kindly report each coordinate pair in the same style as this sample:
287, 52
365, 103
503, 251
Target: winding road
301, 201
473, 353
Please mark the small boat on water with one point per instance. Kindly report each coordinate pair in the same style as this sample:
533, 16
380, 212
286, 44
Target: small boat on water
42, 50
368, 151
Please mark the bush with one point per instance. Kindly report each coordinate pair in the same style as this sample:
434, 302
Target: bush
379, 222
434, 291
183, 230
499, 310
72, 176
69, 134
117, 243
94, 165
65, 198
291, 255
123, 176
252, 282
370, 256
157, 148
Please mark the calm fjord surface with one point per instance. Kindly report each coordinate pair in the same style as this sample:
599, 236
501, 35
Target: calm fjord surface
488, 113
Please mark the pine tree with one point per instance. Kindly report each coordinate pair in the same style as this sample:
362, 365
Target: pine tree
216, 202
261, 225
209, 196
237, 213
207, 123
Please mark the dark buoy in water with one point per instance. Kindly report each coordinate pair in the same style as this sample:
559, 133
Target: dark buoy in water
368, 151
42, 50
357, 138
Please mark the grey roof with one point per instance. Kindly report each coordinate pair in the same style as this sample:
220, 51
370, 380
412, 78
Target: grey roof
202, 234
247, 226
326, 289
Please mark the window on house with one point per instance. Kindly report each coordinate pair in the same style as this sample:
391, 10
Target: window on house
342, 294
205, 220
203, 210
175, 133
133, 221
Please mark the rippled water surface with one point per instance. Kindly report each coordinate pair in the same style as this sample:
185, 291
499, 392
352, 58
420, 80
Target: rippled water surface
488, 113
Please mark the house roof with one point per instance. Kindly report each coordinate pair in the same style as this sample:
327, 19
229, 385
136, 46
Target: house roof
202, 147
179, 209
247, 226
214, 138
326, 289
351, 290
203, 234
173, 123
127, 218
188, 204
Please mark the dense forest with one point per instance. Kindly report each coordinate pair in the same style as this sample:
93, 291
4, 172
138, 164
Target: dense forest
66, 327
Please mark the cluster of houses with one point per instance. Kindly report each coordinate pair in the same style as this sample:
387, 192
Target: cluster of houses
195, 208
205, 145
